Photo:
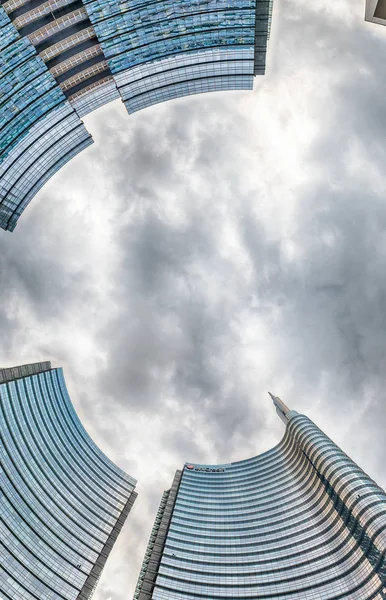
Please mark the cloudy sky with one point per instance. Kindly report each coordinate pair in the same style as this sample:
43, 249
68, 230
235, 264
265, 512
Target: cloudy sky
210, 249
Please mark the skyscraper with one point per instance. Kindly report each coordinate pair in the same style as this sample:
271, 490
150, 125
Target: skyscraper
62, 501
39, 129
301, 521
61, 59
376, 11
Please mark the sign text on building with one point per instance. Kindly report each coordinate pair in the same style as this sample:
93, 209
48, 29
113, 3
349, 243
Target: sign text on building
206, 469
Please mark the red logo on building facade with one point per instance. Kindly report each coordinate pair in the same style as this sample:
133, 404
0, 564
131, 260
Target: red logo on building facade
206, 469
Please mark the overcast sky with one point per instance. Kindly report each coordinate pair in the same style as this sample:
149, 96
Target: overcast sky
212, 248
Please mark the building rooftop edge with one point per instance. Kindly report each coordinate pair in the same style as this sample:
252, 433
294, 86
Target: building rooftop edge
285, 415
8, 374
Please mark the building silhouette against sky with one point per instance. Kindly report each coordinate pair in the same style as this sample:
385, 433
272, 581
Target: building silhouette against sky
61, 59
376, 11
301, 521
62, 501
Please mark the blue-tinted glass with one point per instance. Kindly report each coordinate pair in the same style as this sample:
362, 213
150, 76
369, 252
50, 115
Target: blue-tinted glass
149, 35
300, 521
39, 130
61, 496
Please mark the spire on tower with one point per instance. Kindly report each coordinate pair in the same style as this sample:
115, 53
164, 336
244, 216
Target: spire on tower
281, 408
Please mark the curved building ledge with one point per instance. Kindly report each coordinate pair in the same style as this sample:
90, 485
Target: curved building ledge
94, 52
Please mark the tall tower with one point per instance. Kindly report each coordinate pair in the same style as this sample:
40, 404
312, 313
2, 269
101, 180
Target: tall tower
375, 11
300, 521
62, 501
61, 59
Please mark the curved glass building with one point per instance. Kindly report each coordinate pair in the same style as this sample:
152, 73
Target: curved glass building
61, 59
39, 129
301, 521
62, 501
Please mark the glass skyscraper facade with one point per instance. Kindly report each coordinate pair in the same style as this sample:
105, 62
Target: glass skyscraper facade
62, 501
301, 521
170, 48
39, 130
61, 59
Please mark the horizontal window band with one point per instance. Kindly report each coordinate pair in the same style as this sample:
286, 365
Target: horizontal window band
139, 8
181, 67
79, 452
58, 540
224, 31
34, 574
117, 475
40, 560
77, 462
47, 451
156, 24
21, 133
61, 508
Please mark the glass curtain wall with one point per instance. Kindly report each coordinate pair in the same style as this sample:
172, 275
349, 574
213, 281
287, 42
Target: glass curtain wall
299, 521
63, 502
